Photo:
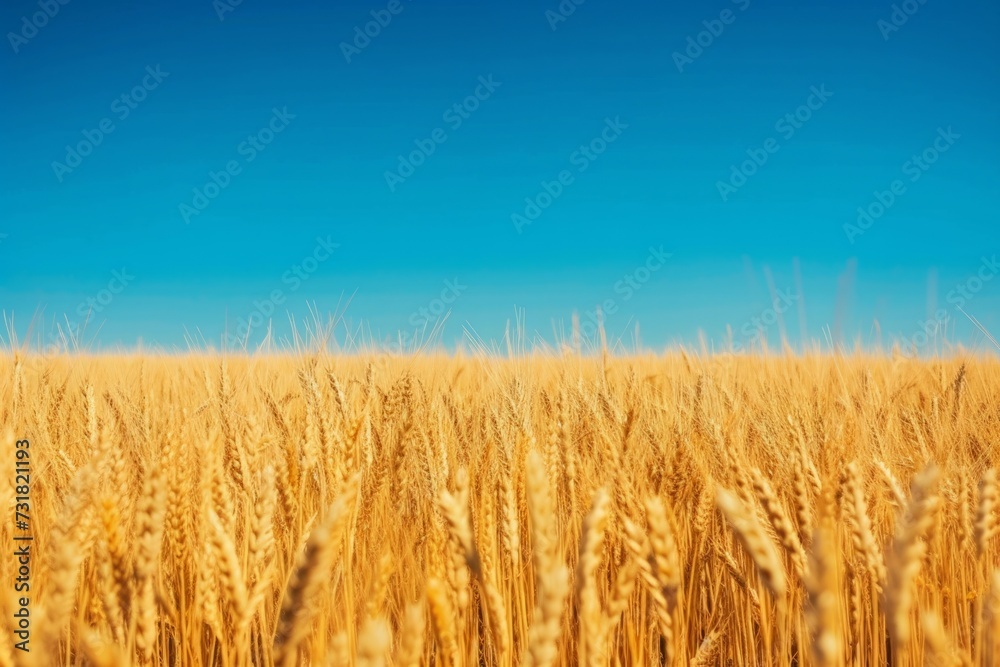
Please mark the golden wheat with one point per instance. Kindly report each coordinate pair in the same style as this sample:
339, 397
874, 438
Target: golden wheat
540, 511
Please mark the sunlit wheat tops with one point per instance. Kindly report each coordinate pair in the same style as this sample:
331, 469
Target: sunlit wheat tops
478, 512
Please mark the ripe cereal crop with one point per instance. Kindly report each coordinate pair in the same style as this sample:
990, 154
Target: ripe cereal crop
313, 509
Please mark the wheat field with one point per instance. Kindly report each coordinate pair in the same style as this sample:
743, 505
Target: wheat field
540, 511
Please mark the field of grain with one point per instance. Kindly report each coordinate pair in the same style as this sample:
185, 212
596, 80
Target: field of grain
672, 510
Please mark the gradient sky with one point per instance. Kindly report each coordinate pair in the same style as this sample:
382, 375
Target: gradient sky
656, 184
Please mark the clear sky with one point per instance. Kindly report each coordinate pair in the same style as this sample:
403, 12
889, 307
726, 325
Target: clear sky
490, 159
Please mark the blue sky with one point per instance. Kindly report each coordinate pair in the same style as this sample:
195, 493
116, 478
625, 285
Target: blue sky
272, 158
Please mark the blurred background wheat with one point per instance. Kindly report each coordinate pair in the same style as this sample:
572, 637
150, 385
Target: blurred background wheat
675, 510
